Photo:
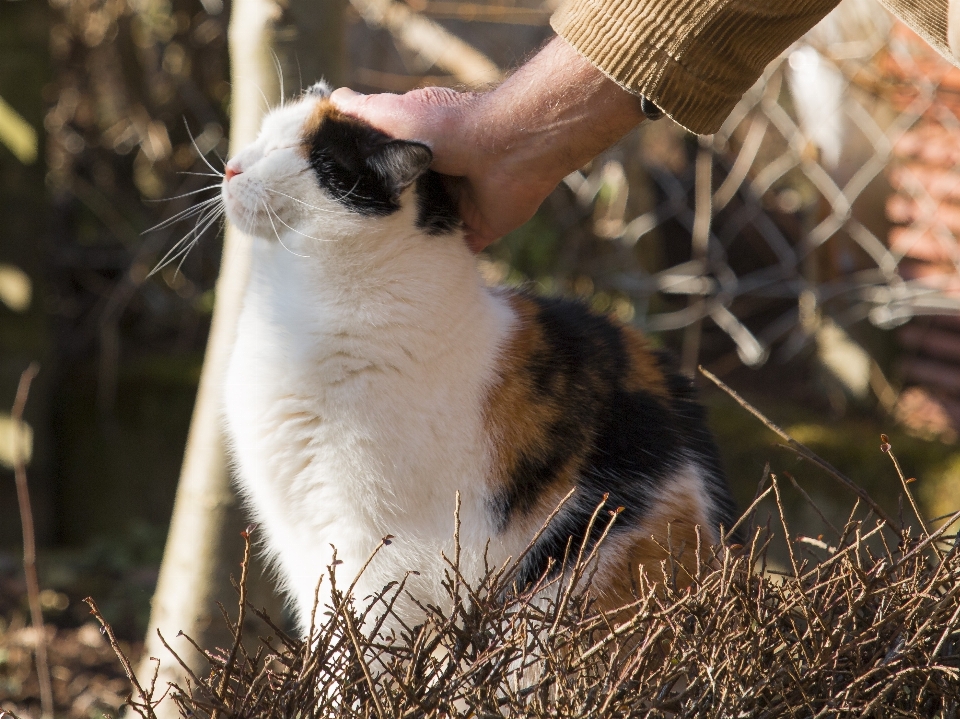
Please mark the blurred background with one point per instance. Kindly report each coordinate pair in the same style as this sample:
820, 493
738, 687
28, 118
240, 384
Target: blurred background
807, 254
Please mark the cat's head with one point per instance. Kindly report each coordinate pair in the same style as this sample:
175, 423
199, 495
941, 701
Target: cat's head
315, 173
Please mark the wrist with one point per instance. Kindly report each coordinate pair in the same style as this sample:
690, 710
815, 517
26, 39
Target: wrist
514, 145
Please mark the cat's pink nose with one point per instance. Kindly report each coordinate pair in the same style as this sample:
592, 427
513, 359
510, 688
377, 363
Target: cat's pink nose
231, 170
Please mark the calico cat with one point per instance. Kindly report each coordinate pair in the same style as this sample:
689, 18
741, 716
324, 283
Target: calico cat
374, 376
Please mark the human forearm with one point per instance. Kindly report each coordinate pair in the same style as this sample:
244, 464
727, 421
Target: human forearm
552, 116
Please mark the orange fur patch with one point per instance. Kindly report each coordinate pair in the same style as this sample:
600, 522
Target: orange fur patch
323, 110
645, 374
670, 528
518, 417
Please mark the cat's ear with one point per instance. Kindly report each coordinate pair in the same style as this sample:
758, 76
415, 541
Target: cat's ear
400, 163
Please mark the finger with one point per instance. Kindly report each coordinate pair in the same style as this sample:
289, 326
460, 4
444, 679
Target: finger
343, 95
474, 242
383, 111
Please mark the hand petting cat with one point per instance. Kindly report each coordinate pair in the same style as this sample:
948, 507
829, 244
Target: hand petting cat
505, 150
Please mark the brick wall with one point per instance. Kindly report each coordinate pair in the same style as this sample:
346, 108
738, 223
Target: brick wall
925, 205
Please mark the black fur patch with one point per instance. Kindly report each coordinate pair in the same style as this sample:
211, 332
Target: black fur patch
366, 170
436, 211
338, 153
628, 441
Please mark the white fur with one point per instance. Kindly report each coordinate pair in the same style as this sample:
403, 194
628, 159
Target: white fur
354, 396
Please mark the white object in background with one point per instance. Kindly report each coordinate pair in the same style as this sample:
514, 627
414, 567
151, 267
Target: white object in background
817, 88
16, 441
16, 290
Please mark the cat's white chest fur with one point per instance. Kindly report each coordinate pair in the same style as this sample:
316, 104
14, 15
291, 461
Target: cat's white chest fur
355, 403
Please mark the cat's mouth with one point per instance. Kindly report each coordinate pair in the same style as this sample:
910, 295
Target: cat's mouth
241, 211
248, 206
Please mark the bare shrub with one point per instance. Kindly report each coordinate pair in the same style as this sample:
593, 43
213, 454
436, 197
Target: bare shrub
863, 623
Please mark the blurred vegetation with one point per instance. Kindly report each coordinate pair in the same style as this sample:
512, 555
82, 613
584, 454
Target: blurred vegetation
851, 444
123, 95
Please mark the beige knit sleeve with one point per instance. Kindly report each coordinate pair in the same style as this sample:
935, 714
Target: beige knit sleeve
696, 58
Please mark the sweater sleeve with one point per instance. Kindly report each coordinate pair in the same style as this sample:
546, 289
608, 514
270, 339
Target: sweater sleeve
696, 58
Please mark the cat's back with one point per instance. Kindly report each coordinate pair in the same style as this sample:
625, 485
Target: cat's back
583, 401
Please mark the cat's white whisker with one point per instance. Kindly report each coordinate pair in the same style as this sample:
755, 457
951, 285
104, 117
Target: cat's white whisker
184, 214
206, 218
197, 148
294, 229
196, 240
276, 63
270, 217
192, 232
187, 194
350, 192
266, 102
297, 199
168, 259
202, 174
197, 233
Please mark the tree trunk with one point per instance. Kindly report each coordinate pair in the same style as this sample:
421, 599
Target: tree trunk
203, 545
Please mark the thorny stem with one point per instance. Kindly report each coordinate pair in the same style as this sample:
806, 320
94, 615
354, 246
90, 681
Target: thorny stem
805, 451
147, 701
238, 635
30, 542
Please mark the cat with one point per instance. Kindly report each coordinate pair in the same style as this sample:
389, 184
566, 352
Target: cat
375, 376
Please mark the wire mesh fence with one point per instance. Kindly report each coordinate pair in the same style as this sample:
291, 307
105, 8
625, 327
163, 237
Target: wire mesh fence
803, 167
811, 141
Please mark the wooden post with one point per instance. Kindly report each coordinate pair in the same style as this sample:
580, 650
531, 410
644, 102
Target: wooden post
203, 545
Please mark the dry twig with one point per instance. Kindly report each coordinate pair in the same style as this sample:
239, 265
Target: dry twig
804, 451
437, 45
30, 543
853, 634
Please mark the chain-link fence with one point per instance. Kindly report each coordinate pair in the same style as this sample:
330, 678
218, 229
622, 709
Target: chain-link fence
784, 206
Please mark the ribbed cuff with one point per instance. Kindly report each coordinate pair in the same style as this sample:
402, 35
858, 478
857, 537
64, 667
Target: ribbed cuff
927, 18
642, 69
693, 58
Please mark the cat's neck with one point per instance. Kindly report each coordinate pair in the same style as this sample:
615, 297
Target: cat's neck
377, 287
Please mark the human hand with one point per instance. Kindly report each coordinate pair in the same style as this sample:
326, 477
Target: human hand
505, 150
494, 192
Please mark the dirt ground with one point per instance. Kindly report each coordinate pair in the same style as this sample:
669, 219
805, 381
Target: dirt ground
88, 681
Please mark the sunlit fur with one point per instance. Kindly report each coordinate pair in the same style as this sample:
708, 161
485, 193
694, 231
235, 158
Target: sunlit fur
374, 376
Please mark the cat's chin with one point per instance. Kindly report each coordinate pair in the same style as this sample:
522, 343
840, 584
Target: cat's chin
246, 224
